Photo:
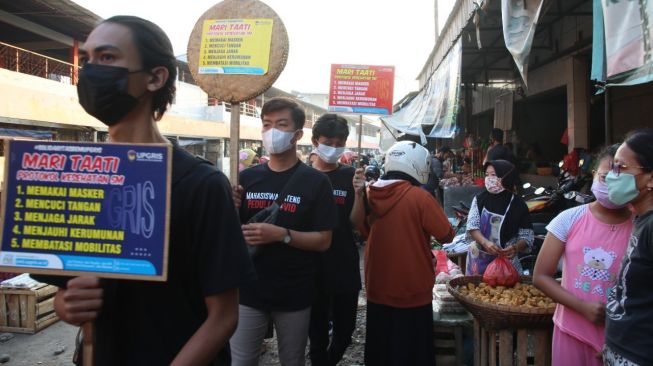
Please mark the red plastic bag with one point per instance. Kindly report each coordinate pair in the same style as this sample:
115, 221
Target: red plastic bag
441, 261
500, 272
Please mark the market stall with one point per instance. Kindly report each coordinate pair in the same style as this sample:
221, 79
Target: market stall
512, 324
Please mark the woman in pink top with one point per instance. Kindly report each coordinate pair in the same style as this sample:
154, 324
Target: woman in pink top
593, 239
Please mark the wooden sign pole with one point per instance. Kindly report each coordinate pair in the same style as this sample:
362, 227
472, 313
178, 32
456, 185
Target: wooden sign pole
234, 83
88, 339
360, 136
234, 142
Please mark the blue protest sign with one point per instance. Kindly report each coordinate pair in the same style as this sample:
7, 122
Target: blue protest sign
86, 208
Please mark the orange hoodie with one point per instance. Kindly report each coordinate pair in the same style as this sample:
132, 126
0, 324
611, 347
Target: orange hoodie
398, 260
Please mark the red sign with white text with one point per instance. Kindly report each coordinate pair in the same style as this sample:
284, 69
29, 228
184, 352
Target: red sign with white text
361, 89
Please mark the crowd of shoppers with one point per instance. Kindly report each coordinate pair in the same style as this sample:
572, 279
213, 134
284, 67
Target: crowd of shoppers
279, 247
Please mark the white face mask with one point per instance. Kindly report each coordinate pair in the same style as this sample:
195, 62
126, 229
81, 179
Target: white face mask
493, 184
276, 141
329, 154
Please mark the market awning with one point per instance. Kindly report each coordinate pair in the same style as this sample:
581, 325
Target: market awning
184, 142
473, 37
434, 110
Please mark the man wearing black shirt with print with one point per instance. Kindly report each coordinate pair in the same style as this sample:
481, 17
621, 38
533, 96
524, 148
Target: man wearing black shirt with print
283, 248
338, 271
127, 81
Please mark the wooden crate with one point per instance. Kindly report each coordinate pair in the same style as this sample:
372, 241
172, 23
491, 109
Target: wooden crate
448, 332
448, 344
27, 310
507, 347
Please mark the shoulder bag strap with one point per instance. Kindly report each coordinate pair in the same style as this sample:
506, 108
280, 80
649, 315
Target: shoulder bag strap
293, 178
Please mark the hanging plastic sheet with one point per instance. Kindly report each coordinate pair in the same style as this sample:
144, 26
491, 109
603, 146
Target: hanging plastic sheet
598, 43
519, 18
628, 34
434, 110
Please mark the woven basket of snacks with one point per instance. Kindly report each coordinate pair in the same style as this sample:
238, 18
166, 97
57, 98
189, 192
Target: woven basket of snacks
522, 306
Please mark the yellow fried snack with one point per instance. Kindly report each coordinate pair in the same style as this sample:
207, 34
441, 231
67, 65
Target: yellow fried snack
521, 295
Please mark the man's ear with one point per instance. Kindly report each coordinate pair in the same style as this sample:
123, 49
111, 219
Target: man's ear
314, 141
300, 134
158, 78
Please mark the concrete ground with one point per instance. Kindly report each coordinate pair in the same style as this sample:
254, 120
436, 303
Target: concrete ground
53, 346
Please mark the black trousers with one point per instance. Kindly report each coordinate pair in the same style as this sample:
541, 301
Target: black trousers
341, 310
399, 336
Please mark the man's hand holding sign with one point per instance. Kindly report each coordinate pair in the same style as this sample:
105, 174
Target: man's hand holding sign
114, 211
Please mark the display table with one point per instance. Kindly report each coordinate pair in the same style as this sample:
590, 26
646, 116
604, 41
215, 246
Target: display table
448, 330
506, 335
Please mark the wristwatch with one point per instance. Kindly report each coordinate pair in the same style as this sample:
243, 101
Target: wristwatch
287, 238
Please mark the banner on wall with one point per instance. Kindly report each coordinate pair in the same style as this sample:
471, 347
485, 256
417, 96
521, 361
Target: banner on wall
519, 18
628, 35
434, 110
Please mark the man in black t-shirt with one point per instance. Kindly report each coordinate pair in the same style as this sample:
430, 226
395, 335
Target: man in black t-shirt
497, 150
298, 220
188, 319
338, 271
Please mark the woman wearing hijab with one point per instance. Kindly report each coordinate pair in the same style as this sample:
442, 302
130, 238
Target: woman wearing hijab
498, 221
246, 158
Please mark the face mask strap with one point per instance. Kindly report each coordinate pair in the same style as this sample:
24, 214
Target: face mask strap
294, 135
508, 173
149, 72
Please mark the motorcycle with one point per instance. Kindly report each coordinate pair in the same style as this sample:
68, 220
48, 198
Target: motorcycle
372, 173
549, 202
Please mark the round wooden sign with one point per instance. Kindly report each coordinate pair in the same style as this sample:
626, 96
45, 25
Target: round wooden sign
229, 87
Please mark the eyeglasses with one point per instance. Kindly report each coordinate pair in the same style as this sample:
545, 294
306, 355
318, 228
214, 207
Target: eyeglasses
617, 167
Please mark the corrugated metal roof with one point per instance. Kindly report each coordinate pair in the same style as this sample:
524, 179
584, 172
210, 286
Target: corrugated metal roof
63, 16
493, 58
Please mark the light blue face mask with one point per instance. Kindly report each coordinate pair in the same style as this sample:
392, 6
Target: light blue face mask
622, 188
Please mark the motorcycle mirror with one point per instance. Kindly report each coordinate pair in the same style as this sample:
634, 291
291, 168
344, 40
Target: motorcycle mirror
539, 190
526, 186
570, 195
560, 164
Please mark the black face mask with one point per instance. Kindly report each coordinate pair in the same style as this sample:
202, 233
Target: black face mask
102, 92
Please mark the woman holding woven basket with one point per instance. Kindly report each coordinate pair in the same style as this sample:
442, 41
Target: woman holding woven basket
592, 239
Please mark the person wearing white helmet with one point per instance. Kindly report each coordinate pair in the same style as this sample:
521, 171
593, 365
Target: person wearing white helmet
399, 274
